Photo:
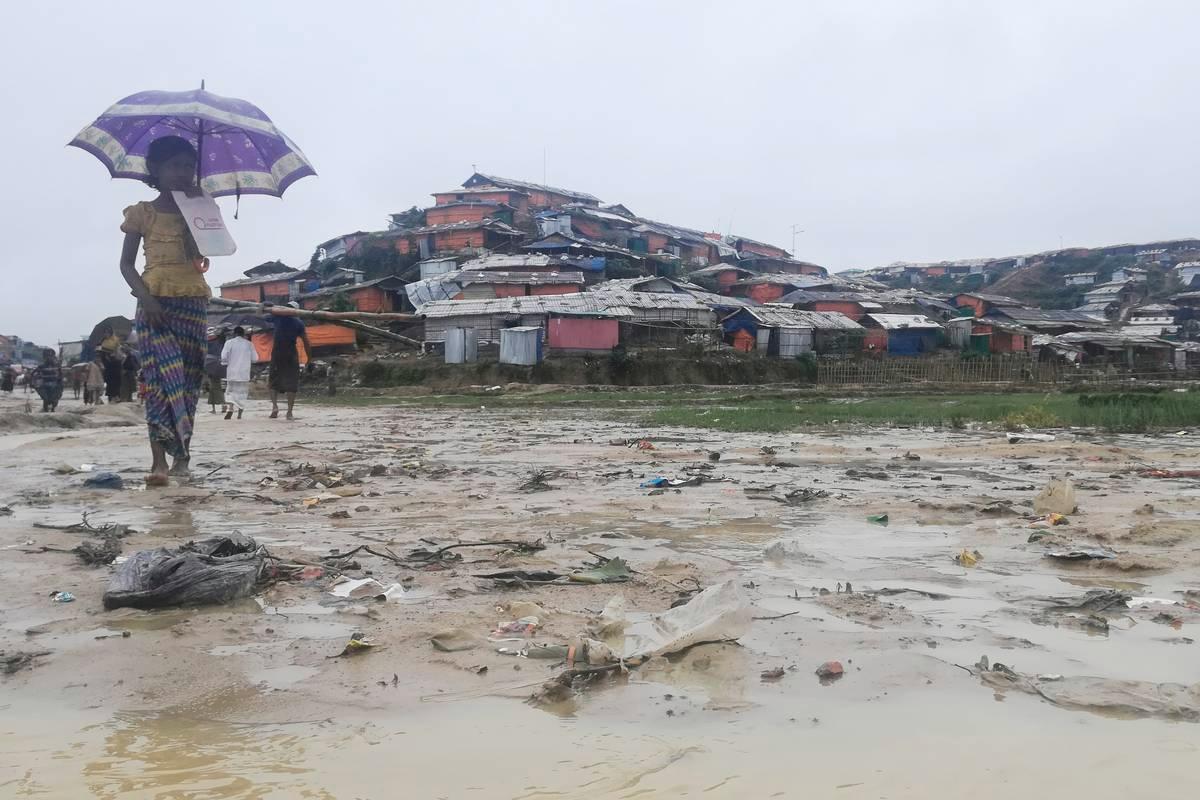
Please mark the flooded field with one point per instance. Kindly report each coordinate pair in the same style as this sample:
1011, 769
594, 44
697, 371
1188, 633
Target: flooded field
248, 699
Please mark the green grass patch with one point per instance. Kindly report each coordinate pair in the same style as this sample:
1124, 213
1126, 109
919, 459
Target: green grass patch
1129, 413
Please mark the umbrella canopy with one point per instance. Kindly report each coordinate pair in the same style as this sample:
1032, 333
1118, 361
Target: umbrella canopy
241, 150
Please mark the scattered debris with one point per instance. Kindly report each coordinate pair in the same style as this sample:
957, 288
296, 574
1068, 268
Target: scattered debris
62, 597
357, 646
1058, 497
1016, 438
214, 570
773, 674
968, 558
794, 497
1084, 554
455, 640
15, 662
878, 519
830, 671
1099, 695
367, 588
98, 552
105, 480
865, 473
1170, 473
1091, 600
613, 570
539, 481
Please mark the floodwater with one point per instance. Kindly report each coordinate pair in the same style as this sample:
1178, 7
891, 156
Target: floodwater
245, 701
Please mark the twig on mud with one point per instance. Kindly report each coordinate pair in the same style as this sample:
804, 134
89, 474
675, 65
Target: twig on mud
436, 555
365, 548
779, 616
215, 471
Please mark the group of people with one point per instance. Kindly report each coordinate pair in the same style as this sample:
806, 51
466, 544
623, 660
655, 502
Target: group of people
172, 318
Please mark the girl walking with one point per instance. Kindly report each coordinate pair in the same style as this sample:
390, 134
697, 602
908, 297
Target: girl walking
172, 300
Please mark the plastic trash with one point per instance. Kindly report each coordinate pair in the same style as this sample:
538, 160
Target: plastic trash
357, 646
615, 570
525, 626
1082, 554
878, 519
63, 597
105, 480
830, 671
367, 588
653, 483
455, 640
1058, 497
215, 570
1015, 438
719, 613
968, 558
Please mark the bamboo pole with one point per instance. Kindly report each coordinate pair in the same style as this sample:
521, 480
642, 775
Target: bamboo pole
305, 313
350, 319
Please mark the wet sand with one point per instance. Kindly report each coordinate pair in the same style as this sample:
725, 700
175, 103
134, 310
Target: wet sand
243, 700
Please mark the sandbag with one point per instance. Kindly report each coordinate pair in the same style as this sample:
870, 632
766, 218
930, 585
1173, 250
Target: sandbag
214, 570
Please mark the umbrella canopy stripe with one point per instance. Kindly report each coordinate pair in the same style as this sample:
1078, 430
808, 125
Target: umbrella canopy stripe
241, 150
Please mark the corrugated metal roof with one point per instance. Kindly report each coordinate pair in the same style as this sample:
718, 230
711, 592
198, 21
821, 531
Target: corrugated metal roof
468, 277
509, 183
1112, 340
507, 262
580, 303
721, 300
279, 276
773, 316
896, 322
350, 287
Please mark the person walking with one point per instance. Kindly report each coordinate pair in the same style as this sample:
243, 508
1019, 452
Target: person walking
48, 381
7, 380
237, 357
129, 376
93, 382
285, 360
172, 298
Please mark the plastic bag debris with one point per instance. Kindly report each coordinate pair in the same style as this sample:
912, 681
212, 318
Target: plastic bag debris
717, 614
878, 519
1100, 695
1015, 438
1083, 554
357, 646
612, 621
215, 570
62, 597
525, 626
615, 570
105, 480
455, 640
367, 587
1058, 497
1135, 602
1091, 600
968, 558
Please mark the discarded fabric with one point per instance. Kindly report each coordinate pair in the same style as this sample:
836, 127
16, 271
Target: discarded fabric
104, 480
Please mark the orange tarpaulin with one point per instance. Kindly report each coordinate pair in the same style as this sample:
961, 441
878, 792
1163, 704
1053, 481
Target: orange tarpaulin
322, 335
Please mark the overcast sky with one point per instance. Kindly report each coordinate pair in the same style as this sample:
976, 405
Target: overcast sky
887, 130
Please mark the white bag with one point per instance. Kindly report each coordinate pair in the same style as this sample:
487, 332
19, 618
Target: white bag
204, 220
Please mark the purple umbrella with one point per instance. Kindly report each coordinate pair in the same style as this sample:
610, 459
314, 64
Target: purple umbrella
241, 151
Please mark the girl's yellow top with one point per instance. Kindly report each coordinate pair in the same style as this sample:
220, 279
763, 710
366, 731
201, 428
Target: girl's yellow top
171, 253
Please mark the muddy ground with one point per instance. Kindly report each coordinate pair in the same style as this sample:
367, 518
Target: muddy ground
244, 700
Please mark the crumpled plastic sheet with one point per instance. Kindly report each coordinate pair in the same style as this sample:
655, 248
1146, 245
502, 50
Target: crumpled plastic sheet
1106, 695
719, 613
214, 570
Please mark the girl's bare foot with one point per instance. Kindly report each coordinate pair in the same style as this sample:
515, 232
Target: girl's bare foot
180, 468
290, 417
155, 479
274, 413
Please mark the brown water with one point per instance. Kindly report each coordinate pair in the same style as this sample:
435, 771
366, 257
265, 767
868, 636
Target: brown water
243, 701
